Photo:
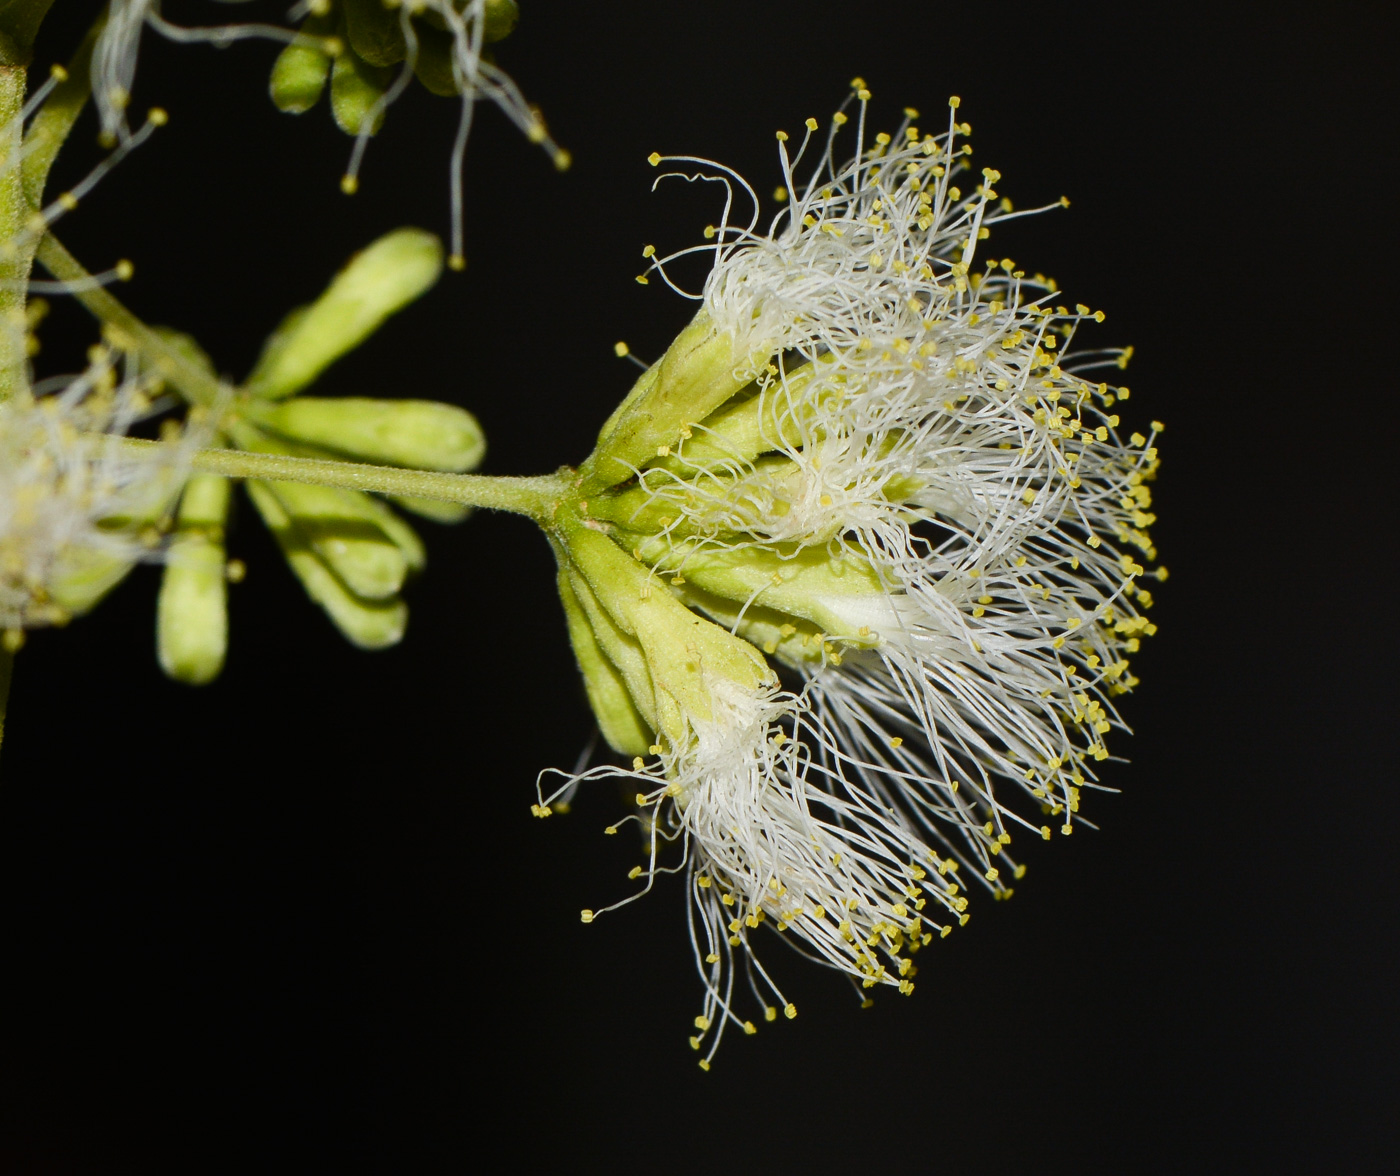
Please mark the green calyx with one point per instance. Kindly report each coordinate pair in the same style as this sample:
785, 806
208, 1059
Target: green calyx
664, 602
645, 640
700, 371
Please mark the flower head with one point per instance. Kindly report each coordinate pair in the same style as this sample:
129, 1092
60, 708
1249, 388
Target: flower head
77, 507
879, 460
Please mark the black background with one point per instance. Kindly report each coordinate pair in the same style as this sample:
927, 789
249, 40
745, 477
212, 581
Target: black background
304, 915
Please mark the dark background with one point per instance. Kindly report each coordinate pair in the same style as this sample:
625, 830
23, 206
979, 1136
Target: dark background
304, 914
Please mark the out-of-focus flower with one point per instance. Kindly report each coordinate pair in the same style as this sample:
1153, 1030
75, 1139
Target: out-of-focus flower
78, 508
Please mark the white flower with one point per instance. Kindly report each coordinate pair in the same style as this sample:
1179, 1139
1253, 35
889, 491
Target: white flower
742, 780
77, 507
922, 508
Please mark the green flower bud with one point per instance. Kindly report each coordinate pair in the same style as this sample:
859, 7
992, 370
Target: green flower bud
366, 623
346, 528
374, 32
433, 65
698, 373
423, 434
618, 720
501, 17
192, 609
356, 87
300, 71
377, 282
342, 528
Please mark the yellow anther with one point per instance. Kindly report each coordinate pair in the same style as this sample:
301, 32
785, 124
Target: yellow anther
634, 873
637, 765
124, 270
750, 1028
790, 1011
702, 1023
610, 830
620, 349
349, 184
897, 742
457, 263
770, 1013
705, 1065
811, 124
709, 232
654, 158
586, 916
157, 116
712, 958
58, 73
67, 201
780, 194
955, 102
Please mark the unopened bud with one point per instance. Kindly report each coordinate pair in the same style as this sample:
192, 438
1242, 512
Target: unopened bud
378, 281
300, 71
375, 33
344, 527
356, 89
368, 624
423, 434
192, 609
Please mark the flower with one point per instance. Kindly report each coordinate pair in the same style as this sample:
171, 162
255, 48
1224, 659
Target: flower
77, 507
355, 44
880, 462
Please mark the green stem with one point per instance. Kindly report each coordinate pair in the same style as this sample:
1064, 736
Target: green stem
536, 498
14, 209
197, 385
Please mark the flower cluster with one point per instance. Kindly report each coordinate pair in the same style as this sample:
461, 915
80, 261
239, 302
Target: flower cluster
368, 50
78, 508
880, 460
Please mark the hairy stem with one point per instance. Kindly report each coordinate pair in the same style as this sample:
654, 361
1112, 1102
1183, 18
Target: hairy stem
197, 385
536, 498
